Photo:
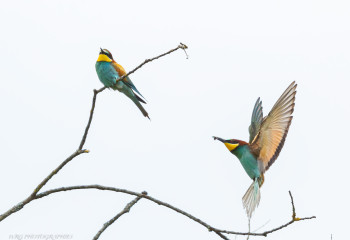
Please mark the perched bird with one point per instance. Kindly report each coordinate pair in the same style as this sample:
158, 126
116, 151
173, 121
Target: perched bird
267, 136
109, 72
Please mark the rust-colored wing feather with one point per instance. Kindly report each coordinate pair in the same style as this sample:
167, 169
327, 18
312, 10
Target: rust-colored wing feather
274, 129
120, 70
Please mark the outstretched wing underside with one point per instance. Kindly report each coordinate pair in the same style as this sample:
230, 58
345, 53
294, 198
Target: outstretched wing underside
274, 129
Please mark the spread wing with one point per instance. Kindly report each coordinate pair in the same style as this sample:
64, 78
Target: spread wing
274, 129
257, 118
121, 71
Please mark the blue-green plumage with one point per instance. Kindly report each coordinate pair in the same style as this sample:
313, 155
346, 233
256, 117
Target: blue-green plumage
248, 161
109, 72
267, 136
106, 73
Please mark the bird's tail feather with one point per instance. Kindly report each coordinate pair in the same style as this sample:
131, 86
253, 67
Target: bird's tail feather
138, 104
251, 198
140, 99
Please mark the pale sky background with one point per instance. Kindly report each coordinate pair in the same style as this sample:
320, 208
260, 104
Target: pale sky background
238, 51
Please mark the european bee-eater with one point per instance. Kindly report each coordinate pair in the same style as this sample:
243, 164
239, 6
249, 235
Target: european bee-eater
267, 136
109, 72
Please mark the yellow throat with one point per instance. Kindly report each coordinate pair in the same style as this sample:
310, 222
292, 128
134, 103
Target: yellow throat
231, 146
103, 58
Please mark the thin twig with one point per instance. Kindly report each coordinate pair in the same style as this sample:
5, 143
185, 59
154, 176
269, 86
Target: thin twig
80, 150
82, 142
293, 208
180, 46
115, 218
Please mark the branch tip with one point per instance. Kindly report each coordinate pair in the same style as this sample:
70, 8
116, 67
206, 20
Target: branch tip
293, 207
183, 46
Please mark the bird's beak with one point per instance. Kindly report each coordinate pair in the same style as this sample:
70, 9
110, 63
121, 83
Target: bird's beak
230, 146
220, 139
101, 51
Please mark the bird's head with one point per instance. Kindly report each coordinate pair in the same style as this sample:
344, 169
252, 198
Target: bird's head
105, 56
231, 144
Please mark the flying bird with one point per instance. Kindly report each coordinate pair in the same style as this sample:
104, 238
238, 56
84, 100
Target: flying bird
267, 136
109, 72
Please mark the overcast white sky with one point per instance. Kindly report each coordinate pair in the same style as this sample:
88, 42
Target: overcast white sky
239, 51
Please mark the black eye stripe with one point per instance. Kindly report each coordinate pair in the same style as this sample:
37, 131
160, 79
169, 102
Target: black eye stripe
107, 53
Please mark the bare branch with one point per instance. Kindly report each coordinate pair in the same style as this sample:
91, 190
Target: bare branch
80, 150
207, 226
125, 210
15, 208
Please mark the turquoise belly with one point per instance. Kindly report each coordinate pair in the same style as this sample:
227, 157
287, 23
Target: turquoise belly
106, 73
